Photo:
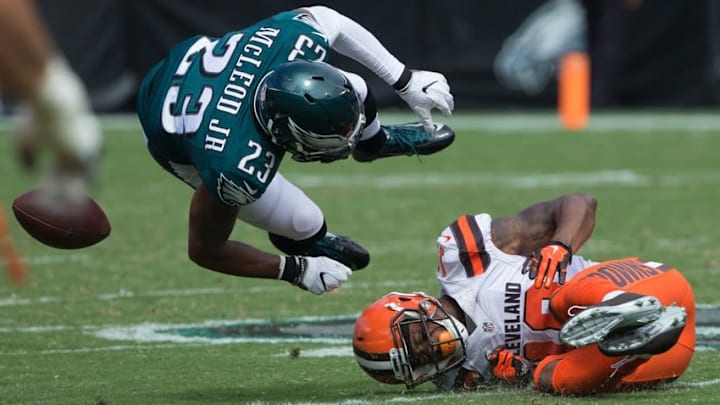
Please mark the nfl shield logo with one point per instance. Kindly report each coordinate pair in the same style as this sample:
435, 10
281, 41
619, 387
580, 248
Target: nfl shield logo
488, 327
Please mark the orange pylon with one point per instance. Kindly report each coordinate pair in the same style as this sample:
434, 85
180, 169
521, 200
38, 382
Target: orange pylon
574, 91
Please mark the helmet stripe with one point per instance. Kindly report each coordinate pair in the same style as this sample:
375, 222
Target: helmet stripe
371, 357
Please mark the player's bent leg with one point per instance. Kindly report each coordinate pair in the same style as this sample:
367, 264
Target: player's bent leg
284, 210
340, 248
582, 371
323, 243
662, 368
671, 364
675, 293
296, 225
587, 288
579, 371
584, 295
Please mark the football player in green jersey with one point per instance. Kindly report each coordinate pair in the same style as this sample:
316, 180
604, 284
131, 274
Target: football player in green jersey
220, 113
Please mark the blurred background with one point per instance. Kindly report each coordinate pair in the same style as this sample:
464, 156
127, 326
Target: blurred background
497, 54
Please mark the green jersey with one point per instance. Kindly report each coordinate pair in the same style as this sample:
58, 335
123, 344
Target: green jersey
196, 106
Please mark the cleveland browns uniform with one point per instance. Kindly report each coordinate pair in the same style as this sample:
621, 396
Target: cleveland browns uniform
502, 308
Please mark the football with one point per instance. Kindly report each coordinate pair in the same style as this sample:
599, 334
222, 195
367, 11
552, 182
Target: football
61, 223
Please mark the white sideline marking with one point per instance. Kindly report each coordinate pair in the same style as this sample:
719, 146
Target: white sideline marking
508, 122
143, 334
122, 293
524, 122
15, 301
161, 332
82, 350
411, 180
47, 260
506, 181
153, 332
397, 399
344, 351
697, 383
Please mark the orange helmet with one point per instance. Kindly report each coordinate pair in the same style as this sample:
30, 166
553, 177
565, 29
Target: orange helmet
382, 341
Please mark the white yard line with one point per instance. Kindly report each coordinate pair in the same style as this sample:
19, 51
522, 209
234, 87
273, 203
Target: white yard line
123, 294
178, 333
506, 181
628, 178
18, 301
501, 122
697, 384
83, 350
524, 122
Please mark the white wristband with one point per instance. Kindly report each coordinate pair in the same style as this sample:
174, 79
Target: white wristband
282, 267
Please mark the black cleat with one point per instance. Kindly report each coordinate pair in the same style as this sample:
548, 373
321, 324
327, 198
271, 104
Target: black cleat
407, 140
342, 249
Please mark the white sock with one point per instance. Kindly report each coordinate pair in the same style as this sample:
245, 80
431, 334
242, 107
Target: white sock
612, 294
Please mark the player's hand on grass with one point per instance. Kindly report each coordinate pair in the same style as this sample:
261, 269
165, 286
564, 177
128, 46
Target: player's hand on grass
425, 91
316, 274
509, 367
545, 262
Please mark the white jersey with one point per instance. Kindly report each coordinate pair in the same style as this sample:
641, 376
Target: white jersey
501, 305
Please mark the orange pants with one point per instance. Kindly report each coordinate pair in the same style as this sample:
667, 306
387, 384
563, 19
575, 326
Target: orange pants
586, 370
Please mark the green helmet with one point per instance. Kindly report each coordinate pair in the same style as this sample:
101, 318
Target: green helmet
311, 110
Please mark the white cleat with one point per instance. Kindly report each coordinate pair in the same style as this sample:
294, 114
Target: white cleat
595, 323
655, 337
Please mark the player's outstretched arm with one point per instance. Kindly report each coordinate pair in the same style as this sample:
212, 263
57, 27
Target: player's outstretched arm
422, 90
210, 225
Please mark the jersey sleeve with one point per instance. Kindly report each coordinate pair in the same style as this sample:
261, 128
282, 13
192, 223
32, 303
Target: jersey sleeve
461, 250
351, 39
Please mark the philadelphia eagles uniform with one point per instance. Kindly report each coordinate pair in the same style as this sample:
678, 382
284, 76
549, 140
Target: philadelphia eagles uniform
196, 106
221, 113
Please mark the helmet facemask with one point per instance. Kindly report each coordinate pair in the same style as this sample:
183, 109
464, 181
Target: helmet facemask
311, 110
408, 339
307, 146
443, 349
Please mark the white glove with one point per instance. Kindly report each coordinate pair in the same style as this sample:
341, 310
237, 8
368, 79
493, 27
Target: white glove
425, 91
59, 116
322, 274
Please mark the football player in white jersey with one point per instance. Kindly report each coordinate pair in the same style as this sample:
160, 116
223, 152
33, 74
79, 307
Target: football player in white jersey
59, 116
516, 305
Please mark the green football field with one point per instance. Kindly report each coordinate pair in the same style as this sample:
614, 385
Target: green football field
133, 321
